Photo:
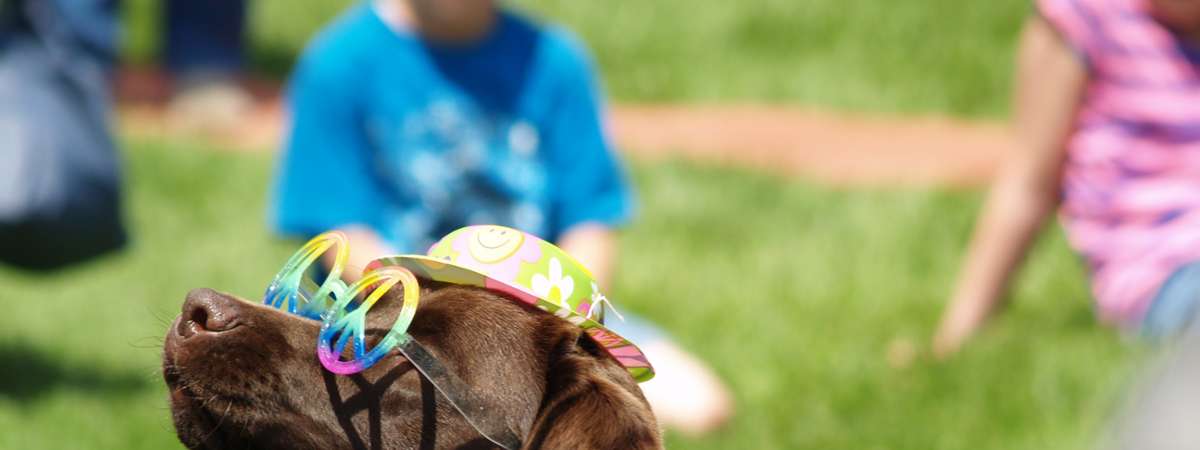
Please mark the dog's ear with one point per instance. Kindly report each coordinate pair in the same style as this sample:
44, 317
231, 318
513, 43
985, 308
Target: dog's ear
591, 402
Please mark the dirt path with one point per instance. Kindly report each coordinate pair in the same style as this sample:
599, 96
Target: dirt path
839, 149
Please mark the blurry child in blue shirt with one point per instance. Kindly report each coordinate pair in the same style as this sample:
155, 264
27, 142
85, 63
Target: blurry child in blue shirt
411, 118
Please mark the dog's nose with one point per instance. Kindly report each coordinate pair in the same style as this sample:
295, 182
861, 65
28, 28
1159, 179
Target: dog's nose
208, 311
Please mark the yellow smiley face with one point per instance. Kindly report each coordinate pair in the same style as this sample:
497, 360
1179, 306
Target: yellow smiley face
493, 244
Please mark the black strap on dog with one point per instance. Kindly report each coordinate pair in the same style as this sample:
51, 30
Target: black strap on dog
491, 426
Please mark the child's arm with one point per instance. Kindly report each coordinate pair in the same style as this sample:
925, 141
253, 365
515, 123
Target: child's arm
1050, 79
365, 245
594, 245
592, 194
326, 177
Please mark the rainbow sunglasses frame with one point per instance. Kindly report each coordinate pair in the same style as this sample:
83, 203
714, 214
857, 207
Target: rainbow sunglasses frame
331, 301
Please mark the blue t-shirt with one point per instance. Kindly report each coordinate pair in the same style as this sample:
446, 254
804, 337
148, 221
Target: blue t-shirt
415, 139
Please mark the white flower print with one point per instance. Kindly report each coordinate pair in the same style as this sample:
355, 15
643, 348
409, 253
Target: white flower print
554, 286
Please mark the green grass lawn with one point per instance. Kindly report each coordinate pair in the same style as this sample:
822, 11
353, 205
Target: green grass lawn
924, 55
793, 292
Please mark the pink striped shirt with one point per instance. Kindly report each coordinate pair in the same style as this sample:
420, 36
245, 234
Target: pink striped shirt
1131, 185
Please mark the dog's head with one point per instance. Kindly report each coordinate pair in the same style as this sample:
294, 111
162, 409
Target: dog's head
243, 375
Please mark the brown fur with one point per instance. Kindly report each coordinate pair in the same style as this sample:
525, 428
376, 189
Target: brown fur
243, 375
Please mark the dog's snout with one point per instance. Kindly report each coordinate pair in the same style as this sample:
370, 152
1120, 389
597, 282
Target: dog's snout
208, 311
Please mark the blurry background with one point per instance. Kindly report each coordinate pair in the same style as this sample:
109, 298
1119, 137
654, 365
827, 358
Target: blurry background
809, 286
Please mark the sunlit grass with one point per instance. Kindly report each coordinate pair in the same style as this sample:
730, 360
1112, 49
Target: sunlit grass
930, 55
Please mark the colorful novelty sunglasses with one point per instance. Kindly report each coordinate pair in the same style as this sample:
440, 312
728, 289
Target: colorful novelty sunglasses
343, 323
343, 318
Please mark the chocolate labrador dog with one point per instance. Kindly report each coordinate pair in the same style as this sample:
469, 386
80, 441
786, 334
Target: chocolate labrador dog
244, 375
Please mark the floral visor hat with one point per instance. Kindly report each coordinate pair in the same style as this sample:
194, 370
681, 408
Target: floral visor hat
529, 270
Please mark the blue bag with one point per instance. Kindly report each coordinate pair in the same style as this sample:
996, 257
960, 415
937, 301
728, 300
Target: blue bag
60, 183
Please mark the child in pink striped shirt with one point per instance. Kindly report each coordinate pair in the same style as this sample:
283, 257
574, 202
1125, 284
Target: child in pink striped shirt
1107, 115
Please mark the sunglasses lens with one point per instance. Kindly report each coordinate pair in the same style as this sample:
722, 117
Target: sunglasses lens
303, 287
342, 345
